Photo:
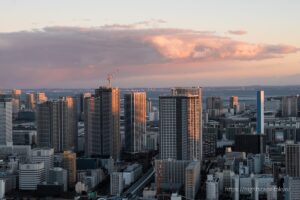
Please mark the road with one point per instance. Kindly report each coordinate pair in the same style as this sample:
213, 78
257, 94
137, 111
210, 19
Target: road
137, 187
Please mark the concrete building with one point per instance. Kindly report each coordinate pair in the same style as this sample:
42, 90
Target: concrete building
40, 97
116, 183
292, 161
209, 143
5, 120
24, 137
135, 121
57, 124
30, 101
292, 188
69, 163
214, 107
60, 176
234, 103
45, 155
151, 140
91, 177
22, 152
16, 102
2, 188
212, 188
102, 123
81, 107
30, 175
170, 175
192, 179
260, 121
132, 173
180, 129
289, 106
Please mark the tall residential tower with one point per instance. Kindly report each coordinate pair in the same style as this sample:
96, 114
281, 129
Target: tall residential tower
260, 112
102, 123
135, 121
5, 120
180, 124
57, 124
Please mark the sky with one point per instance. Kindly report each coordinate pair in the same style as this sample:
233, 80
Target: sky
76, 43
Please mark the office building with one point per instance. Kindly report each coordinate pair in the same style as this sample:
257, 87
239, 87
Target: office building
30, 101
132, 173
170, 175
57, 124
135, 121
46, 156
116, 183
148, 106
214, 107
180, 133
291, 188
30, 175
192, 179
40, 97
289, 106
250, 143
24, 137
151, 140
2, 188
234, 103
69, 164
260, 100
81, 108
212, 188
60, 176
5, 120
209, 144
16, 101
292, 161
102, 123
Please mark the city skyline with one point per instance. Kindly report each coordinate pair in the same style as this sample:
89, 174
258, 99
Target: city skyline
251, 44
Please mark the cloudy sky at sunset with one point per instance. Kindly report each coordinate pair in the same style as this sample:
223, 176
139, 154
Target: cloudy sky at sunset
157, 43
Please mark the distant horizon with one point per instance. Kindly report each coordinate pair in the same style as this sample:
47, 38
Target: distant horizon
91, 88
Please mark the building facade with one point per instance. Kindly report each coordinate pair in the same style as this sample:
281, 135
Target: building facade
180, 133
102, 123
5, 120
135, 121
57, 124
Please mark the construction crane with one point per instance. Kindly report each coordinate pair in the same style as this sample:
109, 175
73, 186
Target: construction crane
110, 76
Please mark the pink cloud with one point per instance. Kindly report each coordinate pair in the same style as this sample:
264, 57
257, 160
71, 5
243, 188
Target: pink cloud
81, 55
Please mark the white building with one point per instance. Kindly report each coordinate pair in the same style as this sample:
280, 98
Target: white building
2, 188
30, 175
5, 120
116, 183
212, 188
46, 156
132, 173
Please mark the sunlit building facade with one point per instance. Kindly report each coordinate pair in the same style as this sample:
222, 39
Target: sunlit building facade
180, 134
102, 123
57, 124
135, 121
